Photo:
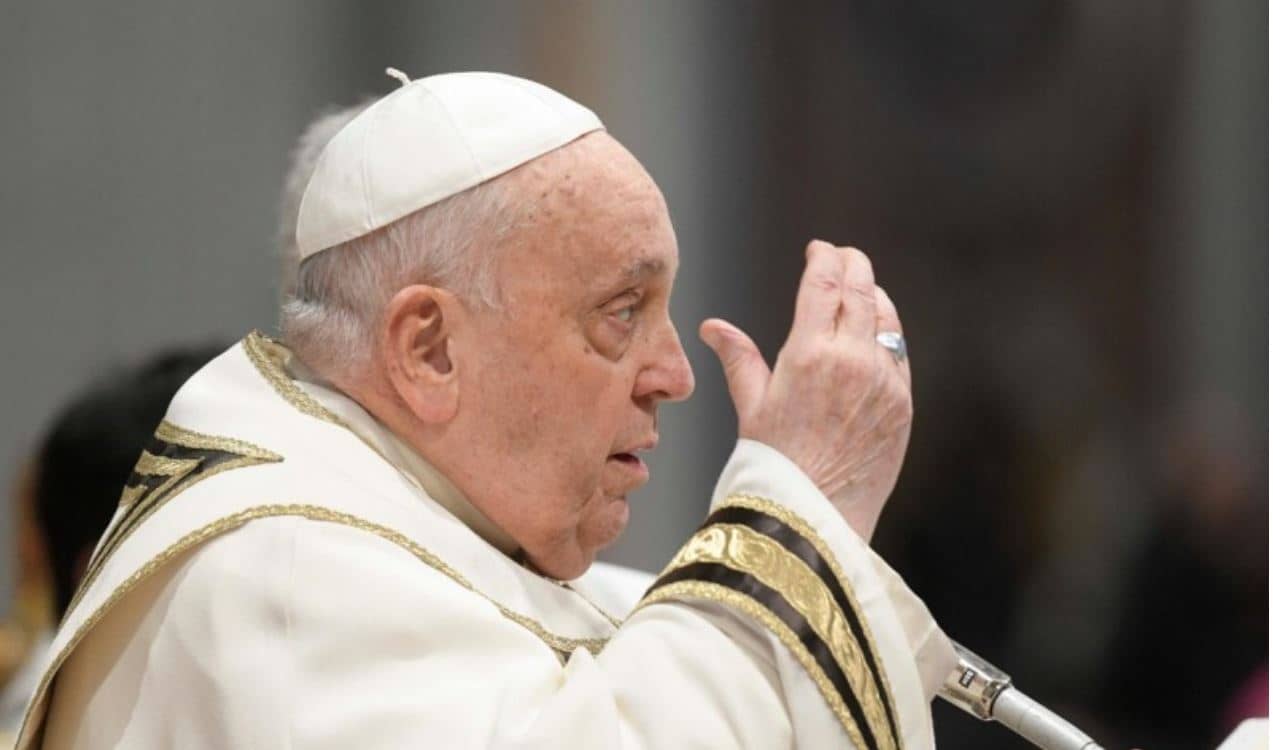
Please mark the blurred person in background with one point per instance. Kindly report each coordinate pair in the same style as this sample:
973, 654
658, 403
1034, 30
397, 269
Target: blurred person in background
74, 485
1188, 658
26, 634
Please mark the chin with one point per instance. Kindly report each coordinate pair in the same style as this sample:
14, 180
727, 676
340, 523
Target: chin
560, 571
610, 525
600, 530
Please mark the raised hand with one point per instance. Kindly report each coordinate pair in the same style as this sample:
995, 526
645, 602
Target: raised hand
837, 403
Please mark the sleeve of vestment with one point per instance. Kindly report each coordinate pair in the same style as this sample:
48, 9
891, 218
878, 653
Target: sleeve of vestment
857, 651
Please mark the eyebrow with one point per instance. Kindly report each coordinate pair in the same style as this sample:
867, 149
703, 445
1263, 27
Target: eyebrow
633, 274
642, 269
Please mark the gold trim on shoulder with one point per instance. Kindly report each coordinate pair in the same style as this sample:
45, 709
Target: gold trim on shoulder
748, 551
561, 645
188, 458
715, 592
802, 527
267, 355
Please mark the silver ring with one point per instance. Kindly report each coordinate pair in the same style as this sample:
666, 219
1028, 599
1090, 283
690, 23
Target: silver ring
894, 342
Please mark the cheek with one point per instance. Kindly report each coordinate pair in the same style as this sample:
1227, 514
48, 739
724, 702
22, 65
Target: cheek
554, 424
575, 437
524, 394
555, 409
584, 397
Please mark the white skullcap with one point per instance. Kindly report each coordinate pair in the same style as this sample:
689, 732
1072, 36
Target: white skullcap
431, 139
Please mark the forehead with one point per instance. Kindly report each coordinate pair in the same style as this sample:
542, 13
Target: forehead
594, 218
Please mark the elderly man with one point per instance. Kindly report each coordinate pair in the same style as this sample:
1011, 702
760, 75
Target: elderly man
618, 587
373, 535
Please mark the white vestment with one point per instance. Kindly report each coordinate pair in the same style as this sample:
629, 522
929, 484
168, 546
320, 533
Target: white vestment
282, 573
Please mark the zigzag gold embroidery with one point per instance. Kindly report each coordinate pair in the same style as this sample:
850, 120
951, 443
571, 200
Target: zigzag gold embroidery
188, 458
156, 466
150, 464
802, 527
745, 550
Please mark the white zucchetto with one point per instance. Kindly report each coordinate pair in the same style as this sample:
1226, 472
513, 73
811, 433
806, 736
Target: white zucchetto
431, 139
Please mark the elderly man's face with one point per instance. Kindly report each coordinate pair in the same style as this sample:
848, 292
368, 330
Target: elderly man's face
559, 388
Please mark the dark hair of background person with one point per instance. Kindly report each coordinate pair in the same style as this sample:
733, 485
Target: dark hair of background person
90, 450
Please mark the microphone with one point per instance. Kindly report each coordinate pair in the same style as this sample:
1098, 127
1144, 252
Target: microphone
986, 692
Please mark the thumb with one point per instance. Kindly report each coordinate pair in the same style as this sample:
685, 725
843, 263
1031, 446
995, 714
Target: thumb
746, 373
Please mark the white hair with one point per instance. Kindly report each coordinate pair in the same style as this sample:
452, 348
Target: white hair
329, 320
304, 158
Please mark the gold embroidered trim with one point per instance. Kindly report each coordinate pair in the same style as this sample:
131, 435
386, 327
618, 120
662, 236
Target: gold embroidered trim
802, 527
129, 495
173, 433
714, 592
265, 354
748, 551
560, 644
177, 470
610, 618
161, 466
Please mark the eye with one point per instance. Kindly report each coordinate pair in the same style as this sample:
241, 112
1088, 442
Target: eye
623, 309
617, 324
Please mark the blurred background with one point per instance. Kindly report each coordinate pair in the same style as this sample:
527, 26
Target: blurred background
1066, 199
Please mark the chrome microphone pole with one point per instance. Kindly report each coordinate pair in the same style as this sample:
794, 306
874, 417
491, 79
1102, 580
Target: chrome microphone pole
983, 690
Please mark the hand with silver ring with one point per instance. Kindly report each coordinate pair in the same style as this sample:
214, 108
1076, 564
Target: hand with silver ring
838, 401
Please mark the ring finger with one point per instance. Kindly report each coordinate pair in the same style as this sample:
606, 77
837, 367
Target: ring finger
888, 321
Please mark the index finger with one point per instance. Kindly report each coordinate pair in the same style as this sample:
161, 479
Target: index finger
819, 297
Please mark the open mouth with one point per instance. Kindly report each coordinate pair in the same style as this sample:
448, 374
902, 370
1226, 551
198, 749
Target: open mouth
632, 467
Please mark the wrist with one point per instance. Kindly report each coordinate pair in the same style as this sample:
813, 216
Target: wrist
857, 514
759, 469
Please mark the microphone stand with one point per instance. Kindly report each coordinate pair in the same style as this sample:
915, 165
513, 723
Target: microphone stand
986, 692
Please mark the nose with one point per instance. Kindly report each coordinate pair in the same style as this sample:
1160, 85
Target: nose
668, 375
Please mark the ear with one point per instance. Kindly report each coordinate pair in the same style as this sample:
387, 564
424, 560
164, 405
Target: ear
416, 345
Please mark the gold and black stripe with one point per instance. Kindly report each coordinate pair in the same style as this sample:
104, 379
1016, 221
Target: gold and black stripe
174, 459
752, 553
802, 548
828, 561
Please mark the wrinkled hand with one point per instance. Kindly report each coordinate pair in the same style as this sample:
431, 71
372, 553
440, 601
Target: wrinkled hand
837, 403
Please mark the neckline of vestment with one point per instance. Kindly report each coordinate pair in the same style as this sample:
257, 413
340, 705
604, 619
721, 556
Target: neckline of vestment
393, 449
279, 366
